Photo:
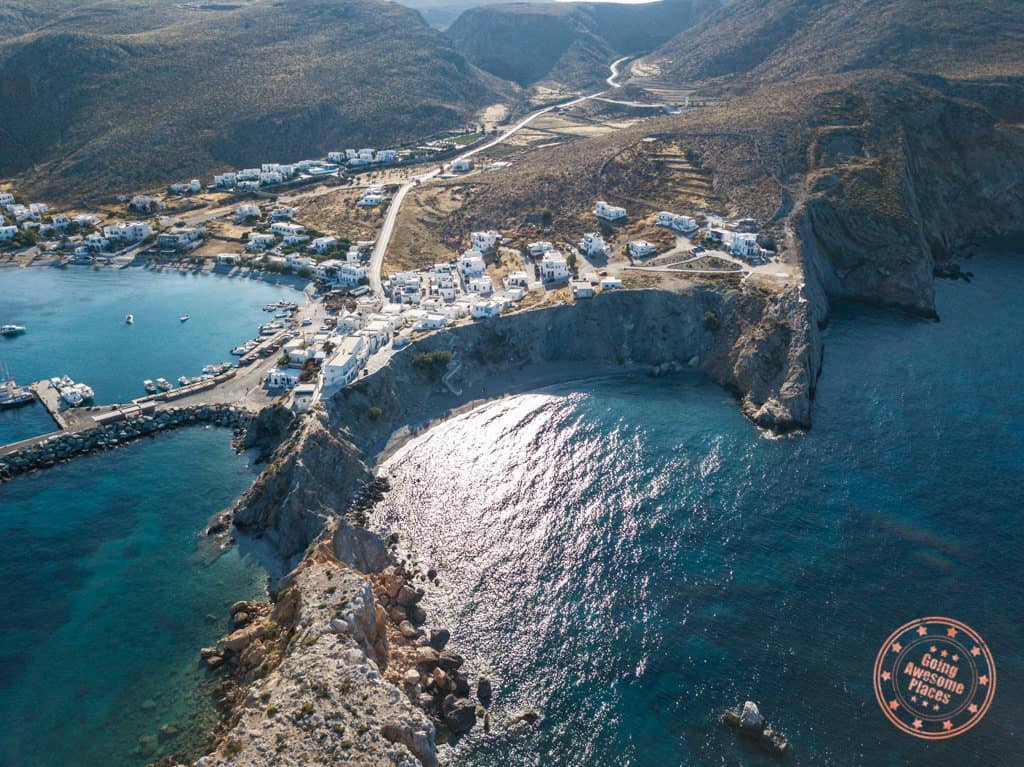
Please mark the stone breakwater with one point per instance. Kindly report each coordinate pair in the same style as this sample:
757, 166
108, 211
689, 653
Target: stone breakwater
63, 447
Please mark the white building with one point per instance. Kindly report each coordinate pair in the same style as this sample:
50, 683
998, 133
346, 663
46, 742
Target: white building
38, 208
537, 249
271, 177
366, 154
471, 263
582, 289
281, 378
370, 200
249, 174
327, 270
432, 321
260, 241
343, 368
285, 228
8, 232
303, 396
336, 157
6, 198
592, 245
143, 203
609, 212
225, 180
610, 283
480, 285
351, 154
743, 244
350, 274
323, 244
85, 219
295, 261
675, 221
518, 279
128, 232
295, 239
284, 213
386, 155
462, 166
483, 310
641, 249
227, 259
554, 267
248, 210
484, 241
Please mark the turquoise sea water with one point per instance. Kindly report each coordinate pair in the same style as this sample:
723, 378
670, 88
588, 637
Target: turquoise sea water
75, 320
107, 599
629, 556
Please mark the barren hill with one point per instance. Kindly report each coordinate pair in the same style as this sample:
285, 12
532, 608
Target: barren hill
567, 42
115, 97
772, 40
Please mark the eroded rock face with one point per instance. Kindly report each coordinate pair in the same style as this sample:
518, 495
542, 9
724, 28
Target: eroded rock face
327, 702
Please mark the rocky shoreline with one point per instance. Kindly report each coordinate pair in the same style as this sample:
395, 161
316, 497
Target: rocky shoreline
63, 447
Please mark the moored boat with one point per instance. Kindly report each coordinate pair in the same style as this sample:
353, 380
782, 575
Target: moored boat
129, 319
12, 395
184, 318
12, 330
149, 386
163, 384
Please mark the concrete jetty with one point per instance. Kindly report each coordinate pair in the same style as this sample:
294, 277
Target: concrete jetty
51, 400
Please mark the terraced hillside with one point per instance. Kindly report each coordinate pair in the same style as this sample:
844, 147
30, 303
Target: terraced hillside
188, 89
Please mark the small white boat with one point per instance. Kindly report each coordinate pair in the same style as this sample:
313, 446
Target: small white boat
12, 330
184, 318
149, 386
163, 384
129, 319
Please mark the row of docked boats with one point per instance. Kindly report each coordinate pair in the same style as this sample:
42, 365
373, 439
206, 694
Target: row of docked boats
284, 306
209, 372
73, 394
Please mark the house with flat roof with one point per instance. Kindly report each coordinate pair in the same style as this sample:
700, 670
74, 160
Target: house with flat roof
609, 212
554, 267
343, 368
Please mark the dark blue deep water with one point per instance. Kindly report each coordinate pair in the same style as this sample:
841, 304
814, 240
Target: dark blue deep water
107, 597
629, 555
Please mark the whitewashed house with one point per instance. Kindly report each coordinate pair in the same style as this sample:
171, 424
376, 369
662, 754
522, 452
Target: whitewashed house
471, 263
538, 249
610, 283
609, 212
281, 378
343, 368
327, 270
517, 279
370, 200
271, 177
351, 154
482, 285
61, 222
351, 275
225, 180
386, 155
462, 166
484, 241
143, 203
283, 213
592, 245
366, 154
6, 198
553, 267
295, 239
324, 244
8, 232
484, 310
227, 259
303, 396
336, 157
582, 289
295, 261
743, 244
432, 321
85, 220
641, 249
248, 174
38, 209
285, 228
260, 241
96, 241
248, 210
133, 231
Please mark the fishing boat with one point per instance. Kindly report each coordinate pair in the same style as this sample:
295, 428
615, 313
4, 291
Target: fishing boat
12, 395
149, 386
74, 394
163, 384
184, 318
184, 380
12, 330
129, 319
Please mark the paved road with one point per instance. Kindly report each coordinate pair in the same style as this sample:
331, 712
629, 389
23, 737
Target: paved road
388, 228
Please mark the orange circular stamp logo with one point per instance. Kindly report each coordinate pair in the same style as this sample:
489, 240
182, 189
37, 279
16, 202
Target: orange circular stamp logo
934, 678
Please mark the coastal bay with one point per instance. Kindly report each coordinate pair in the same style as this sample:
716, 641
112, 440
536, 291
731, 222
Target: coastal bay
76, 326
629, 556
